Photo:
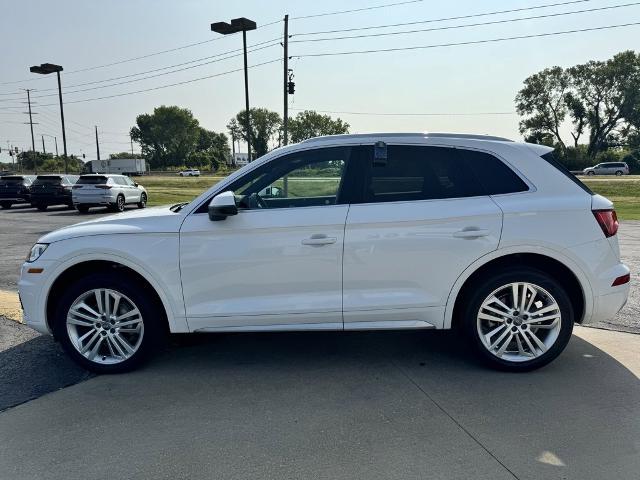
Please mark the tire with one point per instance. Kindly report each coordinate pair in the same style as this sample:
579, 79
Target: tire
71, 206
42, 208
119, 205
82, 209
619, 173
143, 201
5, 205
591, 172
553, 333
129, 349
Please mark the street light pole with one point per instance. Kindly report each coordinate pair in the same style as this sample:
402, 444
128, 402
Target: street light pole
64, 135
46, 69
240, 25
33, 143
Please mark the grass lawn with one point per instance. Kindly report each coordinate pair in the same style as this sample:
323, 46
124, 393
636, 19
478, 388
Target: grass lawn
165, 190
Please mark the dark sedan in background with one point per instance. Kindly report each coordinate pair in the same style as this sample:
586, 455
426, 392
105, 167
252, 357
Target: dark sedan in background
49, 190
15, 189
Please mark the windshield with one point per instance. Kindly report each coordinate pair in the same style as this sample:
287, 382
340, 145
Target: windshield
92, 180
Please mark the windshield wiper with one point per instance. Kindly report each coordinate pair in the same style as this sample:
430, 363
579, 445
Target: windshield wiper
178, 206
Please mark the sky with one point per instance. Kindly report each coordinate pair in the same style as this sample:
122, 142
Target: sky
463, 88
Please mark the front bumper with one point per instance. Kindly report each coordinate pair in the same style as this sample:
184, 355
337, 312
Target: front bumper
31, 289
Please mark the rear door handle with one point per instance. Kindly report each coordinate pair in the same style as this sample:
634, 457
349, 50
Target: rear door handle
319, 239
471, 233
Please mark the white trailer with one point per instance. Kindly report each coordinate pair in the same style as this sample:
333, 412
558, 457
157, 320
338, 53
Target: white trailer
122, 166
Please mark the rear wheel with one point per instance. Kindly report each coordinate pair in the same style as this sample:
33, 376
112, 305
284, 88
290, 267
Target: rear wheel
5, 205
518, 320
591, 172
119, 205
107, 323
619, 173
143, 201
41, 207
82, 208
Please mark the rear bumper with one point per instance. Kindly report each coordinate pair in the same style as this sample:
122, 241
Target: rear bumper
94, 200
51, 199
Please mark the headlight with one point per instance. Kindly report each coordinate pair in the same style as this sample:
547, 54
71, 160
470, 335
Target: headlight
37, 250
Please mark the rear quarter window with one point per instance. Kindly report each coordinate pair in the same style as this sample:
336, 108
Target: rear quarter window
551, 160
493, 174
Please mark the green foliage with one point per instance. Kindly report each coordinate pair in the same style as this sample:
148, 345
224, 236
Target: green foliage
123, 155
167, 136
214, 147
46, 162
265, 126
309, 124
601, 99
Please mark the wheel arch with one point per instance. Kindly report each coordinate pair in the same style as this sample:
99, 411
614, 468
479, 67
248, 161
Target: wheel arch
563, 269
75, 270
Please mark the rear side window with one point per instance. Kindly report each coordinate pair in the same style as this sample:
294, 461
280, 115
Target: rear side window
119, 181
92, 180
418, 173
493, 174
551, 160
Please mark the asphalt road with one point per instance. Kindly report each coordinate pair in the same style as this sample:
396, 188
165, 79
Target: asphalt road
21, 227
383, 405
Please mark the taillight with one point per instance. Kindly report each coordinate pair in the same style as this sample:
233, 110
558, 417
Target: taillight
621, 280
608, 221
106, 187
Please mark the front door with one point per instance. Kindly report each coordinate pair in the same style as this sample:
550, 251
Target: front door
278, 262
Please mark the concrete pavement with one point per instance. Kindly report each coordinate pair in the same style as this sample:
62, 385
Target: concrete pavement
338, 405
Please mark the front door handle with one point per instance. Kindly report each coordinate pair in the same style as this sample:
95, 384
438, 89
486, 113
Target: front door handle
471, 233
319, 239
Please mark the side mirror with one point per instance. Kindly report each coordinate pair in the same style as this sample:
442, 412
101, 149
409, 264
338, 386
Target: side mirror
222, 206
135, 184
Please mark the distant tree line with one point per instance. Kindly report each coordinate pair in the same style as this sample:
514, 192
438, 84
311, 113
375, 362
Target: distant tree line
598, 102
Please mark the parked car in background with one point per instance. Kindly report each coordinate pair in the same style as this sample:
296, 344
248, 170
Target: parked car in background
489, 237
609, 168
52, 189
15, 189
190, 172
112, 191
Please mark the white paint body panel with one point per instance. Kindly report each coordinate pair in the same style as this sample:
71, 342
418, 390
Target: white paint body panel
402, 265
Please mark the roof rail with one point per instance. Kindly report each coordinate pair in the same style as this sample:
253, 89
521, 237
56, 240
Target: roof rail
469, 136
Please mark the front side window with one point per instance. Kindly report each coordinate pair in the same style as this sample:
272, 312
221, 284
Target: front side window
303, 179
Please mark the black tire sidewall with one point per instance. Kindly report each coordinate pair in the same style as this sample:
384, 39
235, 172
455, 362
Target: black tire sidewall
143, 200
483, 288
152, 318
6, 205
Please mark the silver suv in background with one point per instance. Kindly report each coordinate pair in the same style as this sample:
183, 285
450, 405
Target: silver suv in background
112, 191
609, 168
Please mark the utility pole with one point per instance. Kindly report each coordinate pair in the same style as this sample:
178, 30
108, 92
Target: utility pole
33, 143
55, 139
285, 86
131, 139
43, 149
97, 144
246, 95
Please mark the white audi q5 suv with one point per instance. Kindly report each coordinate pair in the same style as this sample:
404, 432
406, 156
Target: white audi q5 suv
352, 232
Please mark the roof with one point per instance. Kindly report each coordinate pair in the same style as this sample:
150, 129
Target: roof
414, 135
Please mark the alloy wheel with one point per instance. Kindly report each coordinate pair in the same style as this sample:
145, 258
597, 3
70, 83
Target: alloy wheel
105, 326
519, 321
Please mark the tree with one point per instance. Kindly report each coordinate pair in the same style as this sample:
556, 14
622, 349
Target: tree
265, 125
212, 150
600, 98
123, 155
167, 136
310, 124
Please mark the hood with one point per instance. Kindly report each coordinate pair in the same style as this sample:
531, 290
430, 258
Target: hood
148, 220
588, 168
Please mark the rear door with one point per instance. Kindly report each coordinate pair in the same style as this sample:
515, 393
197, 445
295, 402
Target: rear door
424, 219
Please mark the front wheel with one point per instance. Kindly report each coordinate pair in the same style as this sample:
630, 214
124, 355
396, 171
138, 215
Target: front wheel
518, 320
143, 201
42, 208
107, 323
618, 173
5, 205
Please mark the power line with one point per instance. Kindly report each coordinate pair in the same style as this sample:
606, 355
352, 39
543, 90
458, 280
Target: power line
451, 27
470, 42
444, 19
408, 114
374, 7
165, 86
68, 92
277, 40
